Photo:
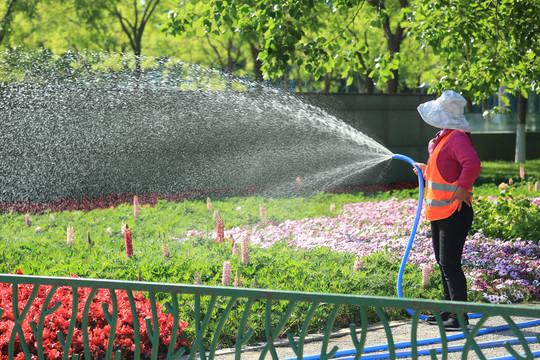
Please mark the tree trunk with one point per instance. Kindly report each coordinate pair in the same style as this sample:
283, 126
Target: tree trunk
393, 39
369, 84
394, 45
327, 82
520, 130
257, 65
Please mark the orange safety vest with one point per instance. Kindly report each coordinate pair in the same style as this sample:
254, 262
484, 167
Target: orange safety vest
437, 204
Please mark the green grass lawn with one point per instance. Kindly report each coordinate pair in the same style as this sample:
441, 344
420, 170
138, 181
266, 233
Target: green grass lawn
496, 172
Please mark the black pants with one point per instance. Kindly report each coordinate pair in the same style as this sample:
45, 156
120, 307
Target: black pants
449, 237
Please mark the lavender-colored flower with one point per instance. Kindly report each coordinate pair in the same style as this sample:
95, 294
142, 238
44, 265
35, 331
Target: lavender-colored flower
27, 220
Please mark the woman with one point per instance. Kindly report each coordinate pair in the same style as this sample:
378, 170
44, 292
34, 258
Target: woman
451, 170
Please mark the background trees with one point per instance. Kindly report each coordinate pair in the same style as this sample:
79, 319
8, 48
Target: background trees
484, 45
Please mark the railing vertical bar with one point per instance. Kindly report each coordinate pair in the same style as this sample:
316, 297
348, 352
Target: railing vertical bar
84, 324
360, 344
299, 349
272, 335
18, 319
136, 325
200, 328
219, 327
153, 326
72, 321
522, 341
38, 330
469, 342
442, 331
112, 320
329, 327
240, 338
173, 309
388, 331
414, 335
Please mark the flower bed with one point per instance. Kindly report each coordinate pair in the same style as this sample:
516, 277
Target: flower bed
501, 271
98, 335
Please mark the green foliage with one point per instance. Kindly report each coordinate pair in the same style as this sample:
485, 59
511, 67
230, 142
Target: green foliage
483, 44
507, 217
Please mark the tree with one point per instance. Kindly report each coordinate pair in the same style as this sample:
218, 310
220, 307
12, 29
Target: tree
133, 17
485, 45
8, 11
283, 29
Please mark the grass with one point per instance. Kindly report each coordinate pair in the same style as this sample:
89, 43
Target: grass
495, 172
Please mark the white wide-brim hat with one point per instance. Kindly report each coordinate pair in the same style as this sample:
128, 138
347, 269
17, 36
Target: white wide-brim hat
446, 112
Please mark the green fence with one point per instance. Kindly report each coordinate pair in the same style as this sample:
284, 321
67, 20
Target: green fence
211, 308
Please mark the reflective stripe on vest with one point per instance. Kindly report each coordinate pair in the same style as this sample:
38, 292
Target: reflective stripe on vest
438, 191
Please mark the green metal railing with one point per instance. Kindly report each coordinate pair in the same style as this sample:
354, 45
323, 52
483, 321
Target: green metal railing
206, 335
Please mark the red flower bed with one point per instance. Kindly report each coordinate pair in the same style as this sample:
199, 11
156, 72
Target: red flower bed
98, 328
113, 200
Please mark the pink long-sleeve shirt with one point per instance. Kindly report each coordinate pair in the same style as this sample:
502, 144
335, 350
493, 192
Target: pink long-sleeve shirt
457, 159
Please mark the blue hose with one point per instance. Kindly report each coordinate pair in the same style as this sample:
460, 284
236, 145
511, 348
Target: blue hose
423, 317
414, 228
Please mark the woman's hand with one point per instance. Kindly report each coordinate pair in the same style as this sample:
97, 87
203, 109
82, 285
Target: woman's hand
463, 196
422, 168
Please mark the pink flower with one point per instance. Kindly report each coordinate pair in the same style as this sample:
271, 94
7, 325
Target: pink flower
358, 264
245, 249
129, 242
27, 220
208, 204
135, 206
70, 235
226, 276
220, 229
510, 181
536, 186
522, 172
262, 210
503, 186
426, 272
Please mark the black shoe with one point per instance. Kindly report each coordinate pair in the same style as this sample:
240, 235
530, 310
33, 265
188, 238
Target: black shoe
452, 324
433, 321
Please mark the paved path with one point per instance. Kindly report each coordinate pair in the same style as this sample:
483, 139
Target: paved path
401, 333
